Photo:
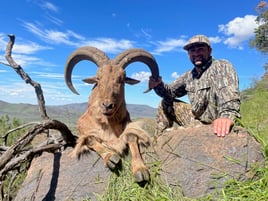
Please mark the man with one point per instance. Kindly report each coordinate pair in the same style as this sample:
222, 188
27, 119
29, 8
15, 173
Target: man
212, 88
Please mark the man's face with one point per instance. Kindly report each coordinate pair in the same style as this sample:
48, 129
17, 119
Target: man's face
199, 54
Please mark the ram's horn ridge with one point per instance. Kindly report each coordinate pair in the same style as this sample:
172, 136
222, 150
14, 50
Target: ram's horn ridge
84, 53
138, 55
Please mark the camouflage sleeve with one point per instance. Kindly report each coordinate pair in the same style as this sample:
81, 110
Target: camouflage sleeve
227, 92
172, 90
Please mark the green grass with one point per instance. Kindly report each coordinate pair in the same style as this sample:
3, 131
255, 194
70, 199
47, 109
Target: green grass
122, 187
254, 110
10, 181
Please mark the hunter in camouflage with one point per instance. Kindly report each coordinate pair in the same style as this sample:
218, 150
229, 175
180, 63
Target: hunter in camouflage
212, 88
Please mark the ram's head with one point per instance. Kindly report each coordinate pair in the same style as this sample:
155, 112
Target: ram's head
108, 91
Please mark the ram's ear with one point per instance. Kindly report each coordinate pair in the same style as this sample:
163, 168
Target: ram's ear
131, 81
90, 80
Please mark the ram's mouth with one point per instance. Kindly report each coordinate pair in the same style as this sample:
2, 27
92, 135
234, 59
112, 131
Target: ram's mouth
108, 114
108, 111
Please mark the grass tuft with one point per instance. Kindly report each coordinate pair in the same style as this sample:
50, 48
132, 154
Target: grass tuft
124, 187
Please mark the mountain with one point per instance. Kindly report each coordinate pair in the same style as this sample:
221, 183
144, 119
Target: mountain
66, 113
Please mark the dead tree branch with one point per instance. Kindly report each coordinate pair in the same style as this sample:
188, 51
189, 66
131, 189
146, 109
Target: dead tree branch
26, 77
22, 151
5, 136
17, 148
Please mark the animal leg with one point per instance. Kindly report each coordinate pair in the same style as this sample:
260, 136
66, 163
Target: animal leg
139, 170
111, 157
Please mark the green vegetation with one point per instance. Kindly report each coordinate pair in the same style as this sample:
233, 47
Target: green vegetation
254, 110
14, 180
5, 125
131, 191
260, 41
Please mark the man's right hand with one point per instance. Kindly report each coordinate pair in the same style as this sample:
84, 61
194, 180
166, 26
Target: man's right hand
154, 83
222, 126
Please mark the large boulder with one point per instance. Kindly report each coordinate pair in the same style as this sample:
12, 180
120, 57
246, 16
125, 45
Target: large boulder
200, 162
193, 158
59, 177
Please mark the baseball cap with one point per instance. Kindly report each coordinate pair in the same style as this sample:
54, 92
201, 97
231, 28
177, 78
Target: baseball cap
197, 39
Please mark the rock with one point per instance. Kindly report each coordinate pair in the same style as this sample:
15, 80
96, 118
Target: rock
193, 158
200, 162
59, 177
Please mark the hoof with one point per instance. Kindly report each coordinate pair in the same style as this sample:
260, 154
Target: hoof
113, 161
142, 176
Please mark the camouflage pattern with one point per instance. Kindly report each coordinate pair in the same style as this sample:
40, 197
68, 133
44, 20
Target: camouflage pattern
212, 94
167, 114
197, 39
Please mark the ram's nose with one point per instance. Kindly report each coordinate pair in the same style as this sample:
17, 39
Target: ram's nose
107, 108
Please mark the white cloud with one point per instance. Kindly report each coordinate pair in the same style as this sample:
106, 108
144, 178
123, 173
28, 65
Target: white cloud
21, 52
48, 6
71, 38
17, 90
54, 20
142, 76
215, 40
54, 93
146, 33
168, 45
25, 60
58, 37
238, 30
52, 36
21, 47
109, 45
49, 75
28, 47
175, 75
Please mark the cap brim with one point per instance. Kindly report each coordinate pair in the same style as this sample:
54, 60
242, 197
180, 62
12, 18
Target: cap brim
188, 46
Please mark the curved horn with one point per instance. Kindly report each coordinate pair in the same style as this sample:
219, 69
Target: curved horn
133, 55
84, 53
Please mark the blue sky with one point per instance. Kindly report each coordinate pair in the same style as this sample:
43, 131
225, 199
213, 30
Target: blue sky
48, 31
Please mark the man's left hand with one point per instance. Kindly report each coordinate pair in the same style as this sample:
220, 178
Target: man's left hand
222, 126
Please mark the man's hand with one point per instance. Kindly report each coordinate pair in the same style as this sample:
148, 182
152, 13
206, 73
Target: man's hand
222, 126
153, 83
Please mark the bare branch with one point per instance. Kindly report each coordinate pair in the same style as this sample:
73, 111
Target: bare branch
27, 156
22, 152
16, 148
26, 77
5, 136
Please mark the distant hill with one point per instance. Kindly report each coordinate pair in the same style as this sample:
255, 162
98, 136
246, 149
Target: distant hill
66, 113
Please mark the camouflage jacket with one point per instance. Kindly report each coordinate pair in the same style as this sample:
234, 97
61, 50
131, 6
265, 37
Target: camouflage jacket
212, 94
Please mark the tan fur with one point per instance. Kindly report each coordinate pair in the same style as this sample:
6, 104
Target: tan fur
106, 127
108, 135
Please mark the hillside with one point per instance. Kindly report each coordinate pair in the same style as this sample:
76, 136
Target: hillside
66, 113
254, 108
